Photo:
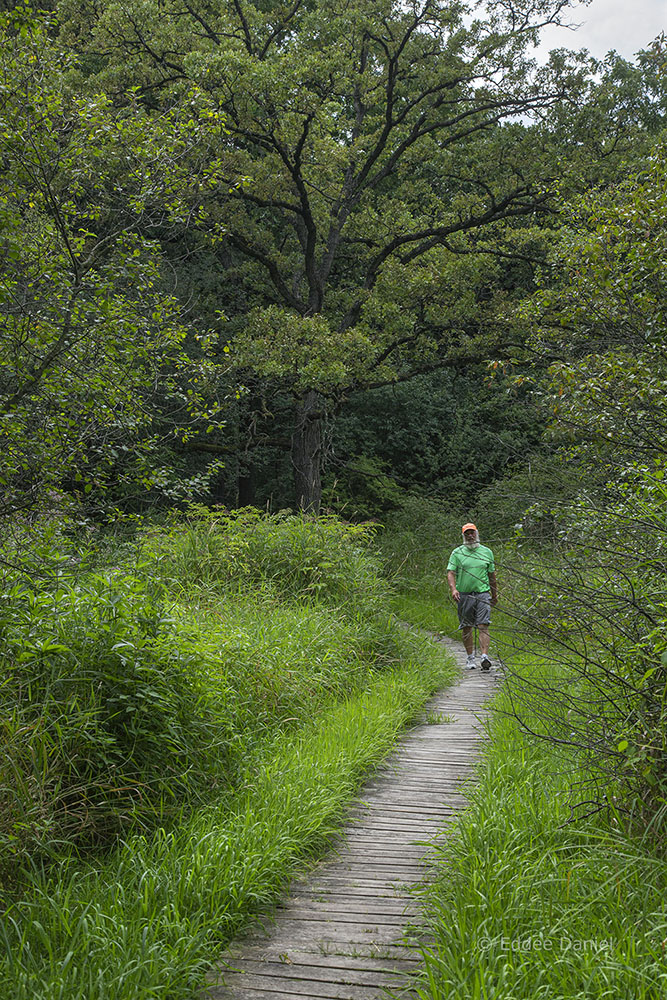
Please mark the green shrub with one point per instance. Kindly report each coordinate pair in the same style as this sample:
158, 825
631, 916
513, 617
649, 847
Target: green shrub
128, 698
283, 662
532, 899
419, 538
364, 489
148, 920
322, 558
106, 721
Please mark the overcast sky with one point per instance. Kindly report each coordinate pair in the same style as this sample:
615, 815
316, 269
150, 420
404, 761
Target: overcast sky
623, 25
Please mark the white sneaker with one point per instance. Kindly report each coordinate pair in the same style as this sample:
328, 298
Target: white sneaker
486, 662
470, 661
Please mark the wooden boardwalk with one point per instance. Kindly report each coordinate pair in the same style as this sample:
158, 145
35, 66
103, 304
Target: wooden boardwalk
344, 932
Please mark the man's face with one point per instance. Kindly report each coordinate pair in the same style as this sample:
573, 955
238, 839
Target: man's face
469, 537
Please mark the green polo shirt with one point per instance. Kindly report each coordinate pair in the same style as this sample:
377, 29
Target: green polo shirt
472, 568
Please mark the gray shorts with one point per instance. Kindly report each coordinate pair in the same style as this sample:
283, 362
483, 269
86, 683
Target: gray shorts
474, 609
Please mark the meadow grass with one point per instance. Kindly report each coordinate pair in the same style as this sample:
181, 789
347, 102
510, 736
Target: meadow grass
528, 904
132, 689
185, 722
147, 921
529, 899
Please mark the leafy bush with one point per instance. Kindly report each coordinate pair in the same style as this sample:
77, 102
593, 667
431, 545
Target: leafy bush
106, 721
364, 488
129, 696
528, 902
419, 539
298, 556
530, 497
146, 921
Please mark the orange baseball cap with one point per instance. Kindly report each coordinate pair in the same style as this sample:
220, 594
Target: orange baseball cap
468, 527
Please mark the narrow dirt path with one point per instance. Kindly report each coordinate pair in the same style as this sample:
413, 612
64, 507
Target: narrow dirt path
343, 932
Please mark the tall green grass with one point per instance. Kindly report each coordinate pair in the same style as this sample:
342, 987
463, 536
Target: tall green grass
602, 617
96, 689
531, 902
148, 921
132, 693
324, 559
185, 728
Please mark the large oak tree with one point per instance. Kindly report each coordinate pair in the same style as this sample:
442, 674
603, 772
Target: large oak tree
369, 147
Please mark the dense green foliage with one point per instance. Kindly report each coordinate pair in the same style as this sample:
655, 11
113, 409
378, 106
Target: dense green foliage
333, 216
324, 559
132, 693
599, 614
602, 317
255, 253
449, 434
217, 707
149, 920
95, 381
230, 266
107, 718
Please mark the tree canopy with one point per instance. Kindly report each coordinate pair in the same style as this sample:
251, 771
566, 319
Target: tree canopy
91, 337
373, 161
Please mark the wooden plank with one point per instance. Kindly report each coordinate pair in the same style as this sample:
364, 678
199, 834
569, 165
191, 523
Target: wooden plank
343, 889
329, 963
362, 909
390, 869
399, 903
336, 972
357, 918
385, 821
417, 808
251, 989
388, 954
351, 936
413, 803
362, 885
364, 882
313, 927
350, 903
399, 819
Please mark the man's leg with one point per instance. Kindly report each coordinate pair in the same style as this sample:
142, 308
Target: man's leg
484, 646
464, 613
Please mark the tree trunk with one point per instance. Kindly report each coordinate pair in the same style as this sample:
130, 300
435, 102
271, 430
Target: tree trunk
307, 452
246, 485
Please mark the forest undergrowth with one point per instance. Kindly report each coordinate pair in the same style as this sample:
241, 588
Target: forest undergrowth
187, 720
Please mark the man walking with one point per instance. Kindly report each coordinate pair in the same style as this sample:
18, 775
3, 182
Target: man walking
471, 573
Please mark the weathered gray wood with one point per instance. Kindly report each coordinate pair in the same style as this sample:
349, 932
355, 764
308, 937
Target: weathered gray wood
347, 902
366, 920
329, 937
252, 990
381, 957
336, 973
329, 965
344, 933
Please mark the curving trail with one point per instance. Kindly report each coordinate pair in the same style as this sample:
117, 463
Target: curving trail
344, 932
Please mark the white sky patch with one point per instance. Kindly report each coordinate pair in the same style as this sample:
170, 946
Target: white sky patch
609, 24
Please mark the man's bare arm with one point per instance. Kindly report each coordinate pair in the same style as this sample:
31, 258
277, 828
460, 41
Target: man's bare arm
451, 579
494, 588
